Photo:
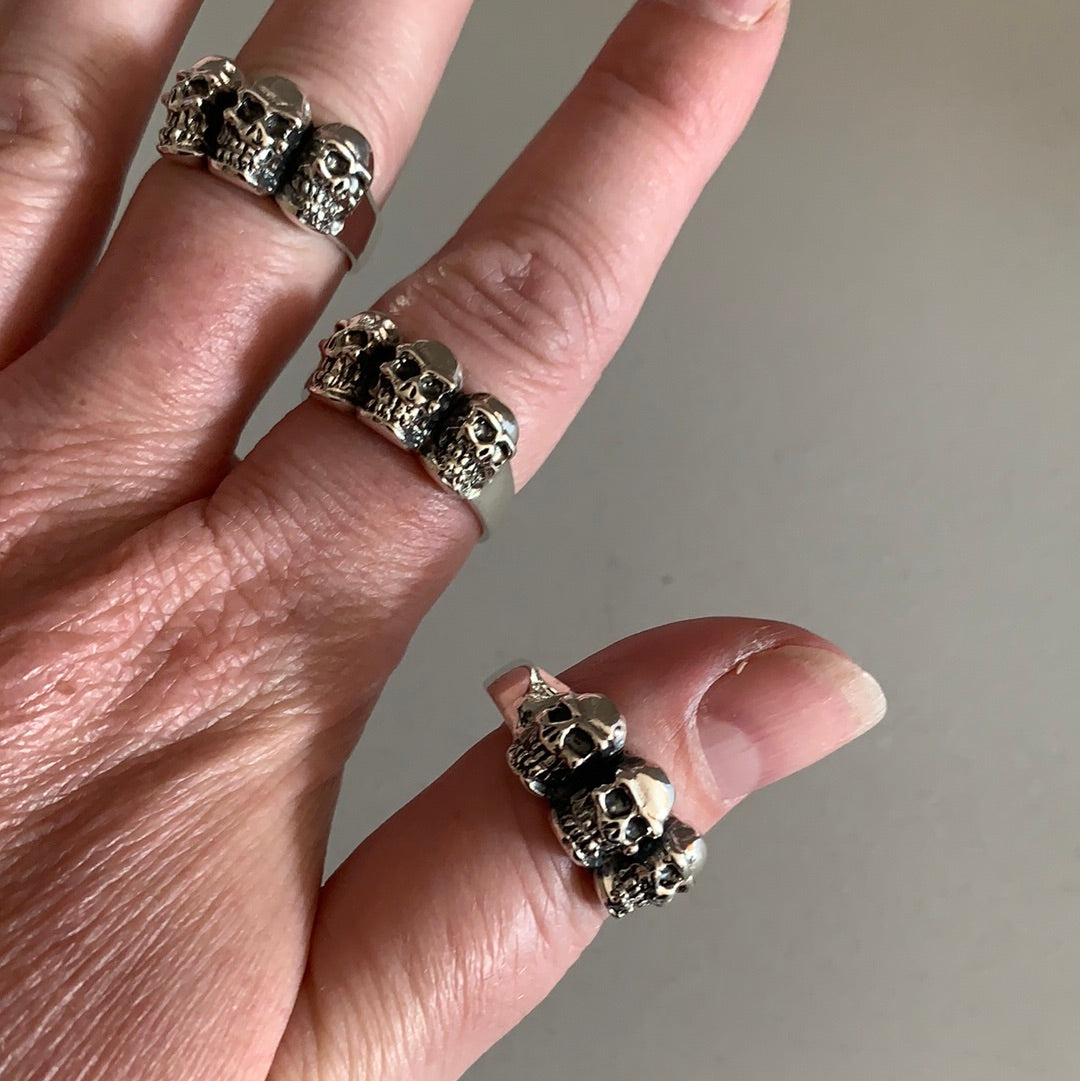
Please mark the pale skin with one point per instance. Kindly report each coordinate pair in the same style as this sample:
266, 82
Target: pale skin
189, 646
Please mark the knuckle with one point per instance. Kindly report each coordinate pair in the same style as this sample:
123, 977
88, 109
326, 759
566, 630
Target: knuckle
46, 124
638, 87
536, 293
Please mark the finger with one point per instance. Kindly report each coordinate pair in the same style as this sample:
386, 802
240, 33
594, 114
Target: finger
461, 913
215, 284
204, 292
76, 84
534, 296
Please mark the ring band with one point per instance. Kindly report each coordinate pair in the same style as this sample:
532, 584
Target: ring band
411, 393
610, 810
258, 135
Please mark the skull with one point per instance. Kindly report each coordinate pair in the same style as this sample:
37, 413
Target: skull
349, 357
411, 390
560, 735
330, 179
664, 871
260, 132
478, 438
194, 106
615, 818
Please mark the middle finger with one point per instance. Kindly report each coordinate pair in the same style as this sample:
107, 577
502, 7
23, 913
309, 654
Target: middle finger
205, 290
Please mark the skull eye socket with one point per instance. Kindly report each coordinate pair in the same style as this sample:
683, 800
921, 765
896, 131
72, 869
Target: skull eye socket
669, 876
199, 87
407, 368
431, 385
636, 828
276, 124
578, 742
336, 163
249, 110
483, 430
618, 803
560, 714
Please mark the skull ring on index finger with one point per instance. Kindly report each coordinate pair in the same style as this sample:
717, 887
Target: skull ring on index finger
411, 393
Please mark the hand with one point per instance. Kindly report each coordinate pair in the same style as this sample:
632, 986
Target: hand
190, 646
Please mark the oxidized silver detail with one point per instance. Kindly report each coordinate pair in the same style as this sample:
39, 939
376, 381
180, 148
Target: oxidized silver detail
260, 133
476, 441
411, 390
615, 818
329, 179
656, 877
558, 735
194, 107
350, 356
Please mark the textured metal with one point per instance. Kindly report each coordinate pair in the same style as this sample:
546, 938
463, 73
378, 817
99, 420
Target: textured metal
350, 357
478, 437
260, 134
656, 876
411, 393
616, 817
194, 106
328, 180
612, 812
411, 390
560, 737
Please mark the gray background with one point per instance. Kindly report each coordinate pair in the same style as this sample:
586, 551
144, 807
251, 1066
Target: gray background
871, 328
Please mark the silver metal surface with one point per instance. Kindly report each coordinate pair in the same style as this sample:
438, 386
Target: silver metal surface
612, 812
193, 108
260, 133
616, 817
478, 437
411, 394
411, 389
349, 358
259, 136
657, 876
491, 503
559, 735
328, 182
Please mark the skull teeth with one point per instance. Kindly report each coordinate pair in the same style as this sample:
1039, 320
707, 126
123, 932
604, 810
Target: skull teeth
532, 761
317, 205
584, 846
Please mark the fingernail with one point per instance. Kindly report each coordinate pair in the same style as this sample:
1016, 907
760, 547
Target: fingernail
781, 710
746, 13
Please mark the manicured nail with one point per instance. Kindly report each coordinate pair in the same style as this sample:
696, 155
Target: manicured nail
746, 13
781, 710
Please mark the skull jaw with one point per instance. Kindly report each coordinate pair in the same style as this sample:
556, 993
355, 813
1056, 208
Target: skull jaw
337, 381
185, 135
466, 474
317, 205
258, 170
582, 843
407, 424
538, 769
626, 889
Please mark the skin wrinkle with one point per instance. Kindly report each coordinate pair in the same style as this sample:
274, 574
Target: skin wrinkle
178, 837
538, 296
209, 719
